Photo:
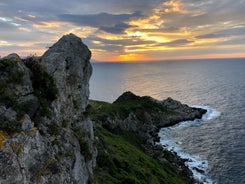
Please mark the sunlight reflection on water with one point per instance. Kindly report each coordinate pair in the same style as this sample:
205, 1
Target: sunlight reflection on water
219, 84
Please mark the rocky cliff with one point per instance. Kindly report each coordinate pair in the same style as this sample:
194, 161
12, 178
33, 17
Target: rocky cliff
45, 133
134, 122
143, 115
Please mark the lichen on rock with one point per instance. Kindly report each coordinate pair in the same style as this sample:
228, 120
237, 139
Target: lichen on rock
47, 136
68, 62
37, 96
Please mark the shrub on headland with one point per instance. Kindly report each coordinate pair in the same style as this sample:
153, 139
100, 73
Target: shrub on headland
11, 75
44, 85
4, 63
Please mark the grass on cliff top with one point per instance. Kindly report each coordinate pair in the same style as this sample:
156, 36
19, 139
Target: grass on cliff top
7, 95
121, 160
43, 84
44, 88
4, 63
102, 110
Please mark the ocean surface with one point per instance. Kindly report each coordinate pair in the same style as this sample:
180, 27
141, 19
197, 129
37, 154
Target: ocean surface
213, 146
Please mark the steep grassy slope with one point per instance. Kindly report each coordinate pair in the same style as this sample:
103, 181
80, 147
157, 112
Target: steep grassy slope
122, 160
122, 157
121, 109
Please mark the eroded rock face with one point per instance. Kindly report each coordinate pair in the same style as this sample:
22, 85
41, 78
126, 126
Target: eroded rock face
68, 62
17, 75
148, 115
47, 140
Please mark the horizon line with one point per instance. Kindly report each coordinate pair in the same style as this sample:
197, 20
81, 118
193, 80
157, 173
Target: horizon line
162, 60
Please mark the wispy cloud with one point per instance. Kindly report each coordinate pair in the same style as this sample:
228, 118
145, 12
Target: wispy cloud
141, 28
235, 31
111, 23
181, 42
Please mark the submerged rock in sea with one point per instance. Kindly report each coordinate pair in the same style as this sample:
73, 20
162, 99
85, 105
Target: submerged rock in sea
45, 134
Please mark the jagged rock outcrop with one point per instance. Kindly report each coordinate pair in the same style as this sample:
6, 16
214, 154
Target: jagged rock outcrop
45, 134
145, 115
68, 62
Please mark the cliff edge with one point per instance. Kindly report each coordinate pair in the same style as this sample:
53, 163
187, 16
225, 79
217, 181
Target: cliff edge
144, 115
45, 134
128, 134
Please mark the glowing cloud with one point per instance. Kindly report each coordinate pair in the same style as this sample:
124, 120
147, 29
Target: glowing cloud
126, 31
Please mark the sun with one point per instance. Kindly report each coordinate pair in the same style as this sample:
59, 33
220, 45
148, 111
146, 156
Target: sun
130, 57
136, 34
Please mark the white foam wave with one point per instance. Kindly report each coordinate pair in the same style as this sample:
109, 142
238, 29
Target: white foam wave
210, 114
197, 165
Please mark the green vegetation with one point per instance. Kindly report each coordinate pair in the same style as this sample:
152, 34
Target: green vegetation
121, 157
10, 76
75, 104
9, 127
44, 86
7, 96
54, 129
4, 63
65, 123
121, 160
50, 166
7, 67
84, 148
122, 109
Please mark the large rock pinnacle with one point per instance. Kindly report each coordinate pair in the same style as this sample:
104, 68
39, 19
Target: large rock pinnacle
45, 136
68, 62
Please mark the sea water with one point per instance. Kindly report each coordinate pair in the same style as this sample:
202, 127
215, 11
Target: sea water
214, 147
196, 164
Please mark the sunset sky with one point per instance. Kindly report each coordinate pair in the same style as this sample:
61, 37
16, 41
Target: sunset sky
125, 30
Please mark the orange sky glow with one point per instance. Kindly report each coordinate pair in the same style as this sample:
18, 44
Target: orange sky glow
163, 30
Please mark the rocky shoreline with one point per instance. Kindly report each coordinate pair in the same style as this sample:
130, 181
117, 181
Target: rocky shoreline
146, 116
